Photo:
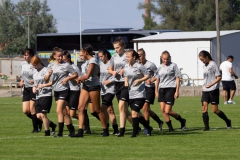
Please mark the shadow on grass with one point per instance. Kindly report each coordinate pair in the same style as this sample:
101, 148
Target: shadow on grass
187, 131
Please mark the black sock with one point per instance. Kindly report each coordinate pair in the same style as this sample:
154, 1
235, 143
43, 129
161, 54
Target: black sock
156, 118
224, 117
80, 132
170, 127
115, 128
47, 132
52, 125
205, 118
71, 129
95, 115
143, 122
29, 115
34, 122
39, 123
135, 126
179, 118
105, 132
86, 121
108, 125
60, 128
122, 131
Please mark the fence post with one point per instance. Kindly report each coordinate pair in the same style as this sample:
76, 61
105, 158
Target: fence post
236, 82
11, 89
193, 88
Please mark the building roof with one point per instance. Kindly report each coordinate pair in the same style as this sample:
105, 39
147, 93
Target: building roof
184, 36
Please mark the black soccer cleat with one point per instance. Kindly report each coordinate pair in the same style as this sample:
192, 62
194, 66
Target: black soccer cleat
160, 125
183, 124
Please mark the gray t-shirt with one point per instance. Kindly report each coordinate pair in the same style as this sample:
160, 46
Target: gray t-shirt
93, 79
151, 68
137, 71
72, 83
38, 77
167, 75
210, 72
118, 63
61, 71
27, 74
104, 75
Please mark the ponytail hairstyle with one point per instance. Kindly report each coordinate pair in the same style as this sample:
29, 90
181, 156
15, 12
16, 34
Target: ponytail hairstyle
29, 51
120, 41
205, 54
36, 60
89, 49
134, 53
106, 52
55, 50
68, 56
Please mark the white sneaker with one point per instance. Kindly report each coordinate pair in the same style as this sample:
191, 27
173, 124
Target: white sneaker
231, 102
225, 102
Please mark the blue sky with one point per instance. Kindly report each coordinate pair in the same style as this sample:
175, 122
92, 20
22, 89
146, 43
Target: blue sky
95, 14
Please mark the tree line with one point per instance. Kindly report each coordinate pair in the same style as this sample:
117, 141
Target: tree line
191, 15
14, 24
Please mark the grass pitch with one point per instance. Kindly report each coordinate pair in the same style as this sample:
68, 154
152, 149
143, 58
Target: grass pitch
16, 141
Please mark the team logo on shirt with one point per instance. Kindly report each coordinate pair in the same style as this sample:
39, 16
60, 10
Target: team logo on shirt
136, 105
169, 69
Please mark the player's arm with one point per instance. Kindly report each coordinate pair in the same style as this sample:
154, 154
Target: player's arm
156, 87
111, 71
177, 87
232, 73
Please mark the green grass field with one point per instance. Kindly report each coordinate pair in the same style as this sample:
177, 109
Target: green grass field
16, 141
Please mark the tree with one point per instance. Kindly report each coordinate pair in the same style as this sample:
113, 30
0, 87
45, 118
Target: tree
14, 25
195, 14
149, 22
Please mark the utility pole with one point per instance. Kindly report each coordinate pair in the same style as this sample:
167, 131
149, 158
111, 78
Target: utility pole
28, 14
218, 34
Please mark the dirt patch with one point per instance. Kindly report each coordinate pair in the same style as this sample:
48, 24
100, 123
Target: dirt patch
6, 92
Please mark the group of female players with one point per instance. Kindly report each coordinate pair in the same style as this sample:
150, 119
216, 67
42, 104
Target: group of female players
127, 74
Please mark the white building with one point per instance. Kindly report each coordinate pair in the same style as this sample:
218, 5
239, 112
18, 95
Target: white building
185, 46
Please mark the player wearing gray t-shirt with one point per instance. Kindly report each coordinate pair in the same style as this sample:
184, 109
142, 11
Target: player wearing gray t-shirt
167, 89
104, 75
107, 82
38, 77
43, 95
59, 72
91, 89
28, 99
93, 79
72, 104
117, 63
210, 89
135, 75
149, 89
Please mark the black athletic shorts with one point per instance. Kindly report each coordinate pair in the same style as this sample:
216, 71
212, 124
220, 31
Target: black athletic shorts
229, 85
107, 99
28, 94
150, 95
211, 96
136, 104
92, 88
73, 100
122, 92
63, 95
166, 95
43, 104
